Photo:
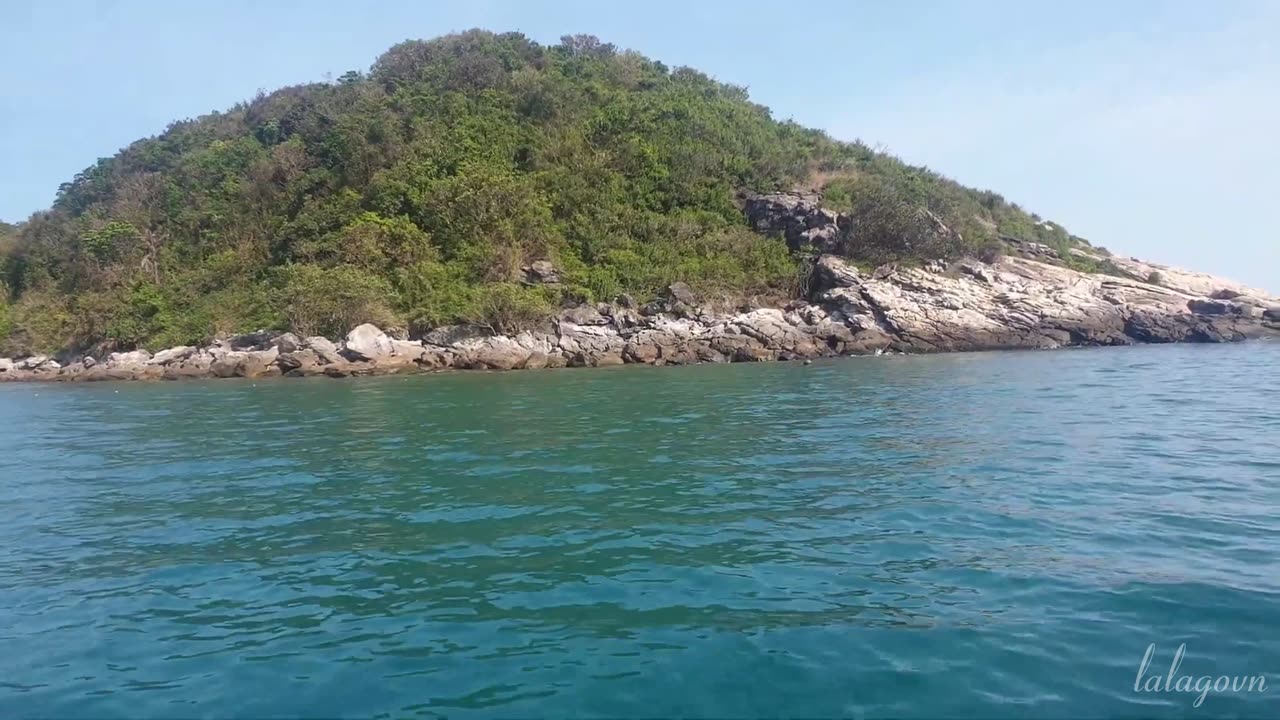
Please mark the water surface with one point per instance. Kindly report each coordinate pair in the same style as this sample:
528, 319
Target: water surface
957, 536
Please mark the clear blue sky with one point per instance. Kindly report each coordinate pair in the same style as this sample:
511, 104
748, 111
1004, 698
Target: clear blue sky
1148, 127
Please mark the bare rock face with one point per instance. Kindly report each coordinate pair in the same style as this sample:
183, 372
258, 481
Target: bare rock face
541, 272
799, 218
1202, 306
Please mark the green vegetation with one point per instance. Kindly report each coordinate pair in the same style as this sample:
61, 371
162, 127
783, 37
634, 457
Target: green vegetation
414, 194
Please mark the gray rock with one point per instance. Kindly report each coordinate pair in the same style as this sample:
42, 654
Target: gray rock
453, 334
324, 348
800, 219
1202, 306
88, 361
224, 367
289, 343
6, 365
259, 340
541, 272
584, 315
681, 293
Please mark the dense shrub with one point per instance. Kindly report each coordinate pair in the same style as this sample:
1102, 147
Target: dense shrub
330, 301
418, 191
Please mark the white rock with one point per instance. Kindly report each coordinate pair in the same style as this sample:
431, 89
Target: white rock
164, 357
137, 357
367, 341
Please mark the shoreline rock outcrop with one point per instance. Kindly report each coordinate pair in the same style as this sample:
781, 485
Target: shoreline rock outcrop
1014, 302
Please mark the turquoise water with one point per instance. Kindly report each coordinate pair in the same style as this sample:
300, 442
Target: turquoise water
957, 536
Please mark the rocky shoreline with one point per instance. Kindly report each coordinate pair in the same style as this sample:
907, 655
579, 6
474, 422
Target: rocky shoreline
1013, 302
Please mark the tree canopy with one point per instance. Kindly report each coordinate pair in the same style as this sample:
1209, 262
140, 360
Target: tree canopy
414, 194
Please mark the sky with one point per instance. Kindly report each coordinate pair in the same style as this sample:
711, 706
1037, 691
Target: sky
1147, 127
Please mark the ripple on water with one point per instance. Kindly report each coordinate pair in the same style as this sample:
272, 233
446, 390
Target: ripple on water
967, 535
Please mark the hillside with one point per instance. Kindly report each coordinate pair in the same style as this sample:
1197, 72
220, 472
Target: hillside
422, 192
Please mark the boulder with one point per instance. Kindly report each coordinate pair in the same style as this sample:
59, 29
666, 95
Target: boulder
88, 361
257, 364
324, 348
495, 353
300, 362
1271, 314
450, 335
121, 359
1203, 306
410, 350
541, 272
681, 293
6, 365
33, 362
584, 315
224, 367
260, 340
164, 357
288, 343
799, 218
368, 343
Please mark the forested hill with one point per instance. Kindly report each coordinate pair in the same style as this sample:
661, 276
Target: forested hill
414, 195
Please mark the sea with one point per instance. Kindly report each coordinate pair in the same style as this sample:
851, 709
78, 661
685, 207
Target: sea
1088, 533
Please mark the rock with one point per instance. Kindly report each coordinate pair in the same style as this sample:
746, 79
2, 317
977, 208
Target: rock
494, 353
324, 349
34, 362
541, 272
1202, 306
449, 335
800, 219
121, 359
681, 293
306, 360
1225, 294
831, 272
608, 359
224, 367
6, 365
1272, 314
257, 364
289, 343
260, 340
1032, 249
164, 357
195, 366
626, 301
584, 315
88, 362
368, 343
408, 350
